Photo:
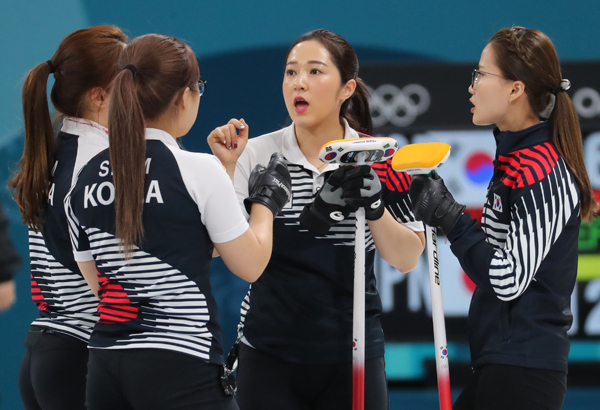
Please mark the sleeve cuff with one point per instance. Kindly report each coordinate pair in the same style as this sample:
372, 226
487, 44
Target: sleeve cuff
416, 226
460, 227
231, 234
83, 256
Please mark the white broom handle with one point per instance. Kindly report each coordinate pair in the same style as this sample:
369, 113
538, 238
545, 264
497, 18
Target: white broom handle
359, 289
439, 326
358, 313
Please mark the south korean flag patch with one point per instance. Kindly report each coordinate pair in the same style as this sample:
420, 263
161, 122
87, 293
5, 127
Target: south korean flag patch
497, 205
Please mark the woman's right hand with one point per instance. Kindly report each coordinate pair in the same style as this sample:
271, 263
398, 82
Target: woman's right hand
270, 185
227, 144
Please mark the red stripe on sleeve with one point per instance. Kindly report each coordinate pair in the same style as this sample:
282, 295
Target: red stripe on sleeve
548, 154
513, 174
110, 310
526, 172
545, 161
551, 150
395, 181
536, 167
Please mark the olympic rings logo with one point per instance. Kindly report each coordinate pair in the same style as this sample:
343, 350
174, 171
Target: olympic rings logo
587, 102
400, 107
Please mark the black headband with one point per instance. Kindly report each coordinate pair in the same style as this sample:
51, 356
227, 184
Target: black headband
52, 68
131, 68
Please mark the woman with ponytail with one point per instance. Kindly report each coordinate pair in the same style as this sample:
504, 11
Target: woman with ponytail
53, 370
295, 339
145, 217
523, 258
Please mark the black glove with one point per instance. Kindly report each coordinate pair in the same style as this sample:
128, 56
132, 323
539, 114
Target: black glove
270, 186
433, 203
362, 189
328, 208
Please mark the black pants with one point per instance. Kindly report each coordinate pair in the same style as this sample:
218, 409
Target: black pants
266, 382
52, 374
153, 379
501, 387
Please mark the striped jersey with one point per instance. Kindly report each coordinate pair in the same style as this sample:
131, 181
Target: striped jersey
300, 309
523, 259
65, 302
161, 298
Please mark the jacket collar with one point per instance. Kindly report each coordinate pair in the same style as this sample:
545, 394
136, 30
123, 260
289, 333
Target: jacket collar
160, 135
510, 141
84, 127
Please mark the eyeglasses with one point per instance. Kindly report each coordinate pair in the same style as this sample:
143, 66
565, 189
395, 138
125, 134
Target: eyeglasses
201, 86
478, 73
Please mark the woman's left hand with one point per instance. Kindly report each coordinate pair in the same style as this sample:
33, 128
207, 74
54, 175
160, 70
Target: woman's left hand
362, 189
433, 203
227, 144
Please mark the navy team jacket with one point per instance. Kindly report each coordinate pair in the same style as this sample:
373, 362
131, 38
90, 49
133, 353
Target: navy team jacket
523, 258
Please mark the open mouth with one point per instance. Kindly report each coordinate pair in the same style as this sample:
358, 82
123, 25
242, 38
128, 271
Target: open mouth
300, 104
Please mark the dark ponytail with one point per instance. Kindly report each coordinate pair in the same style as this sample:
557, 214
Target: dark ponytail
566, 139
154, 72
85, 59
356, 108
357, 112
127, 143
32, 181
529, 56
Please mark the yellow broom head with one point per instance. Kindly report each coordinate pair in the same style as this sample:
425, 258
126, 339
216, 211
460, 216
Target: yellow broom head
421, 158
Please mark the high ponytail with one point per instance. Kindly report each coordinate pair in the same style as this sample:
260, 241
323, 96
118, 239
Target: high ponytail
32, 181
355, 109
154, 73
529, 56
85, 59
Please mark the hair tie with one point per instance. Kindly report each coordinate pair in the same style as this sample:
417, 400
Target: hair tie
52, 68
131, 68
564, 86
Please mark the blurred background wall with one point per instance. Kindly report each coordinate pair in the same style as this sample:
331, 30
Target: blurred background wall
241, 46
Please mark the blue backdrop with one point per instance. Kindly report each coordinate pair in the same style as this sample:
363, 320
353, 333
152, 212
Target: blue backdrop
241, 46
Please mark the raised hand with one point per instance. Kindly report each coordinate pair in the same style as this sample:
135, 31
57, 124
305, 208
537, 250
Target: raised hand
227, 144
